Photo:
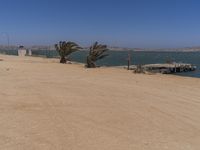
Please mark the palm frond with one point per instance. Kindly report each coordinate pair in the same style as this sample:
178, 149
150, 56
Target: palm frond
96, 53
102, 56
65, 48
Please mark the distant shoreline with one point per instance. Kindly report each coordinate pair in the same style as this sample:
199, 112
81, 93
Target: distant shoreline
161, 51
136, 49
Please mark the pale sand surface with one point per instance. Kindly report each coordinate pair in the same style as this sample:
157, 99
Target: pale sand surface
45, 105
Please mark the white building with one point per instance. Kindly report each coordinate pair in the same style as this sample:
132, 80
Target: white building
30, 52
21, 51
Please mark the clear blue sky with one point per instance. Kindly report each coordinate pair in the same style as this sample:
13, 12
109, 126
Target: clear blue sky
127, 23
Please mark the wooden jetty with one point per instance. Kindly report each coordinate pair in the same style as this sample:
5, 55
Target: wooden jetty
169, 68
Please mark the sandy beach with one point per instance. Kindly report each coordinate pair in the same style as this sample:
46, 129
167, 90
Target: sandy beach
45, 105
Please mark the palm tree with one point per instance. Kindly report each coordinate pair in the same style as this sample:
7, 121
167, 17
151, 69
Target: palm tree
96, 53
65, 48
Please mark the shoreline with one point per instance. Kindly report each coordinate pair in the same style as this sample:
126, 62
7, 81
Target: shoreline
103, 66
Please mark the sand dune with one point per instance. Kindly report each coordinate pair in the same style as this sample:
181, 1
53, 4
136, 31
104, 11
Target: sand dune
45, 105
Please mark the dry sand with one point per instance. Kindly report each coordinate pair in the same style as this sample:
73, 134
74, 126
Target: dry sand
45, 105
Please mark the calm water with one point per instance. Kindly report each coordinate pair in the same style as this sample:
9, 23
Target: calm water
120, 58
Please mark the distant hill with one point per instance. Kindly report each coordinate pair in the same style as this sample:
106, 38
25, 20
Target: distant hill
51, 47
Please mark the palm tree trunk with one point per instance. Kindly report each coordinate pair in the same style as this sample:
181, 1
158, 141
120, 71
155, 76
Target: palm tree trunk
63, 60
90, 63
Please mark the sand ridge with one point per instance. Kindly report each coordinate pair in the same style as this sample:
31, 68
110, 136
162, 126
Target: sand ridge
45, 105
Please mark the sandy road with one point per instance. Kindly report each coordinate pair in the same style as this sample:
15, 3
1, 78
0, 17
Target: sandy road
46, 105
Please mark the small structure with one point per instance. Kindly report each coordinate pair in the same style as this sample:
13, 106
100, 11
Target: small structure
169, 68
30, 52
129, 60
21, 51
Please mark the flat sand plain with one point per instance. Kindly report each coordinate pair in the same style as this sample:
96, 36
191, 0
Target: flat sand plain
45, 105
